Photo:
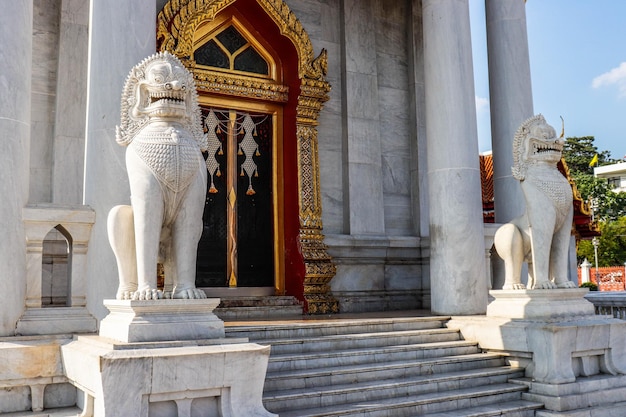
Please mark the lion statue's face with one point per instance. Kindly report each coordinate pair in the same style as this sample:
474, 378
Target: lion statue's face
164, 90
535, 143
542, 144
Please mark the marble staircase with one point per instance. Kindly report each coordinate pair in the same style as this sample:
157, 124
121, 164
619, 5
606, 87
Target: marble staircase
383, 367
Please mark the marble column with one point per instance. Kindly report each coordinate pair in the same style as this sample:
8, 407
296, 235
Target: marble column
510, 95
16, 31
457, 268
364, 208
122, 33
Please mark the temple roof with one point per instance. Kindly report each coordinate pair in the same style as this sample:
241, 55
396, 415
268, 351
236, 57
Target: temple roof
585, 228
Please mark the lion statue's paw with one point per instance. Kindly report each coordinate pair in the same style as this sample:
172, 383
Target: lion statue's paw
124, 295
546, 285
516, 286
147, 294
566, 284
189, 293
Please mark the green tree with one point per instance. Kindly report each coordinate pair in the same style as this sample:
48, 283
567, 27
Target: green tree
611, 245
607, 205
579, 152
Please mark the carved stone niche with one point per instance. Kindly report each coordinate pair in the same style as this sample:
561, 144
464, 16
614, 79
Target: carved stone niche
74, 223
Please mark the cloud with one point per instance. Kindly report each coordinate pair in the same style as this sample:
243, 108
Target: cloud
482, 104
616, 76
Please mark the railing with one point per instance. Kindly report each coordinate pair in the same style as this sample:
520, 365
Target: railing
609, 278
611, 303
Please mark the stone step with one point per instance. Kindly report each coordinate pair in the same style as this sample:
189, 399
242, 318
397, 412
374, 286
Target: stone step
413, 405
259, 301
382, 367
239, 308
612, 410
384, 389
244, 308
319, 328
359, 341
339, 375
508, 409
52, 412
292, 362
258, 313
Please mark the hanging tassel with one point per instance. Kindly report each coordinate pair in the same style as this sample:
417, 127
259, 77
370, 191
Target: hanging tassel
256, 173
241, 132
242, 174
221, 152
219, 173
239, 152
219, 131
250, 191
213, 190
257, 153
254, 131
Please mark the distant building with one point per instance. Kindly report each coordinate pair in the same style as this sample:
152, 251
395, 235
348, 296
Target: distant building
615, 175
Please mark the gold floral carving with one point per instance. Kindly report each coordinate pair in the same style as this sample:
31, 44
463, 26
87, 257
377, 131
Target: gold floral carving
209, 82
176, 26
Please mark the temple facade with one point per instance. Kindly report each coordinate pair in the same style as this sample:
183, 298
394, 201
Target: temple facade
361, 190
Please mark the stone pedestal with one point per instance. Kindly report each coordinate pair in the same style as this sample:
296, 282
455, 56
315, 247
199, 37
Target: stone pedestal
557, 337
555, 334
166, 358
161, 320
167, 379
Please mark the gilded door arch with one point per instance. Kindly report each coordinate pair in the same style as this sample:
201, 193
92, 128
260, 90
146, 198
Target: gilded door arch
310, 267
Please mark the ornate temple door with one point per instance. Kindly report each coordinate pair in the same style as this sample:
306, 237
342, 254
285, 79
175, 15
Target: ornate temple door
241, 238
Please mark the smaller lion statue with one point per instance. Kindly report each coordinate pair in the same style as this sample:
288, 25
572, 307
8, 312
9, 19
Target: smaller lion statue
541, 235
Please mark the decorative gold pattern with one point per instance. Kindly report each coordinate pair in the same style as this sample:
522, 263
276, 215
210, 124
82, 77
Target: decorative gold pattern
210, 82
176, 26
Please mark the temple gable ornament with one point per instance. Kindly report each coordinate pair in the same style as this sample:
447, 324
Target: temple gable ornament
161, 128
541, 235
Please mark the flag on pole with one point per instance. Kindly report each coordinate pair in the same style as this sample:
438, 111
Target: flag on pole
594, 160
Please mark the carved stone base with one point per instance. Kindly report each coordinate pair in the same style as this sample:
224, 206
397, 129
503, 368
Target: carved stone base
57, 320
600, 395
161, 320
322, 304
554, 333
165, 378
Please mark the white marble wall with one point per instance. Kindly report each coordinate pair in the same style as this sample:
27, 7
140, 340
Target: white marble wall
71, 97
15, 112
369, 151
417, 125
113, 23
363, 180
44, 78
396, 119
367, 130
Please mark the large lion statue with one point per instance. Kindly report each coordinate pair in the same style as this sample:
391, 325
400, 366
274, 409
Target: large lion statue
540, 236
162, 130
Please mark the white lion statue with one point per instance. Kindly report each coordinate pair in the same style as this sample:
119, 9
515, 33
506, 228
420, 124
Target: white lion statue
161, 128
540, 236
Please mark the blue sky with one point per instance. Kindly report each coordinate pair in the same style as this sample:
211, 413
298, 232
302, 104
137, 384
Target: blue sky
578, 68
